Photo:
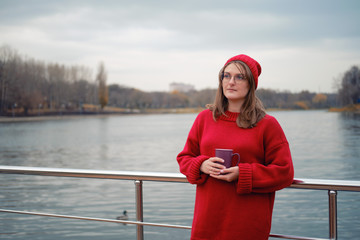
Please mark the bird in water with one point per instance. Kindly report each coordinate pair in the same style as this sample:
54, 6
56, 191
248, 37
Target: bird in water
123, 217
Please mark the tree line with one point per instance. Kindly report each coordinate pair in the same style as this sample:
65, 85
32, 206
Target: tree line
125, 97
28, 84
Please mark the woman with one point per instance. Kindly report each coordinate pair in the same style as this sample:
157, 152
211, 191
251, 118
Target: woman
236, 202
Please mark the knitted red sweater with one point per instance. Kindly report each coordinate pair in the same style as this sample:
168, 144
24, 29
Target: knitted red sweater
241, 209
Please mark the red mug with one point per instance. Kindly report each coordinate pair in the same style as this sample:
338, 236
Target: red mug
227, 155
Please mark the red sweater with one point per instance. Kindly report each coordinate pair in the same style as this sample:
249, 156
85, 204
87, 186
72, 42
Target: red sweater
241, 209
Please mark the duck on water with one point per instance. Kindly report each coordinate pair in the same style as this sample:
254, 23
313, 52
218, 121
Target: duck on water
123, 217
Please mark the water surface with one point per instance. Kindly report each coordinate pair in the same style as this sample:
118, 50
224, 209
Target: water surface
323, 145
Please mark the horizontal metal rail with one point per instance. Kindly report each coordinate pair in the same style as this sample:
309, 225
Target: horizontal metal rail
102, 174
95, 219
316, 184
303, 183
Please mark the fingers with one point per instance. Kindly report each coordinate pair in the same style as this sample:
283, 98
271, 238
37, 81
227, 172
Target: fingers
228, 174
227, 170
214, 171
220, 176
224, 177
216, 160
212, 166
216, 166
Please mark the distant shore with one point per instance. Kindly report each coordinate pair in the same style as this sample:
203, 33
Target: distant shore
38, 116
92, 114
46, 118
354, 108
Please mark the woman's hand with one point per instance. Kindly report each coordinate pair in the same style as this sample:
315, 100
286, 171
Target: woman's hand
228, 174
212, 166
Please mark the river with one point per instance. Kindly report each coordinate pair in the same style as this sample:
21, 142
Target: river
324, 146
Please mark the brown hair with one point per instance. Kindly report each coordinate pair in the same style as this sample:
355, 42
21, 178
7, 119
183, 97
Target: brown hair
251, 112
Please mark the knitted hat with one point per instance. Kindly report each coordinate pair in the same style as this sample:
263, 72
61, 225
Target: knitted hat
254, 66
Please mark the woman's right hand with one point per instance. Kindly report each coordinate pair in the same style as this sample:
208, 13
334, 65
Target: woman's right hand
212, 166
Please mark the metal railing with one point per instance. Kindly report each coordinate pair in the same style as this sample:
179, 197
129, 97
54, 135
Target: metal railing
330, 185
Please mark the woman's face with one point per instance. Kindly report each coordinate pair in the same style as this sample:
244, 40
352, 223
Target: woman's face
235, 84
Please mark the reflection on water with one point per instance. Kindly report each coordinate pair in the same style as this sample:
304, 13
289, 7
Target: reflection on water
350, 123
324, 145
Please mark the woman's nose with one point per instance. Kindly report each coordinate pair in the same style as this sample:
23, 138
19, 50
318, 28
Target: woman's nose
232, 80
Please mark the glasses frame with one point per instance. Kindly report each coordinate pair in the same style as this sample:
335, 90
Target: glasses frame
226, 79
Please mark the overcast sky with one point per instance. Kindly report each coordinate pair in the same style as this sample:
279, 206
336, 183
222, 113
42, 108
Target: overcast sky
301, 45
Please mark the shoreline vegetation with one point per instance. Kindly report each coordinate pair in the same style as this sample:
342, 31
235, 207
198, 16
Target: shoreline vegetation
33, 88
353, 108
95, 111
89, 111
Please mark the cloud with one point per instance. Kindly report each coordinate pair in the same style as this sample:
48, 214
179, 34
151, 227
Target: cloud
149, 44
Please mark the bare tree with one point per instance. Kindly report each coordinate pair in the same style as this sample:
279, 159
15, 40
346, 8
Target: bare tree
8, 56
349, 91
101, 78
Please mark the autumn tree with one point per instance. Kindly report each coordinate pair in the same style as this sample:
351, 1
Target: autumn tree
319, 100
103, 90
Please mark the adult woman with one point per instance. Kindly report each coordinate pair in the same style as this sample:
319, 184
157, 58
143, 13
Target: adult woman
236, 202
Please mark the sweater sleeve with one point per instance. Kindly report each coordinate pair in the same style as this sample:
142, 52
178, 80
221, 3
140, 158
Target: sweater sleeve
276, 172
190, 159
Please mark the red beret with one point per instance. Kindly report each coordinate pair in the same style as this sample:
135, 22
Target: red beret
254, 66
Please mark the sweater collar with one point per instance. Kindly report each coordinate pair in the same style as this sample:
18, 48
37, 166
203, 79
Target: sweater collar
229, 116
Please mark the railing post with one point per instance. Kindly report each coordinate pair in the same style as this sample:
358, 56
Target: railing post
139, 209
332, 214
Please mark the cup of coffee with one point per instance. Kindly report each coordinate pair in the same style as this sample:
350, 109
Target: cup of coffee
227, 155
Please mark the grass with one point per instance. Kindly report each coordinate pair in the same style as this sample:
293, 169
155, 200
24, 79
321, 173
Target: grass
354, 108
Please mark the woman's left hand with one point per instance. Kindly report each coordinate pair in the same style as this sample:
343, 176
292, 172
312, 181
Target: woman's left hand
228, 174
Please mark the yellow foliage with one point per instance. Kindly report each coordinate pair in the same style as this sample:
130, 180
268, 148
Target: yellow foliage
302, 105
319, 98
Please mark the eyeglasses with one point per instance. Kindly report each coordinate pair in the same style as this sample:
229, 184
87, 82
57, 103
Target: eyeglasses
237, 78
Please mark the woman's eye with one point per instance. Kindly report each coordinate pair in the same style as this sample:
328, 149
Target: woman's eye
240, 77
227, 76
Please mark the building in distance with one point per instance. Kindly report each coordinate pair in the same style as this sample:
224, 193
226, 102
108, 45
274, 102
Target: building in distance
181, 87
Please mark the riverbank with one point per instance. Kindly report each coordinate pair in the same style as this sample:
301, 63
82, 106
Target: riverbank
96, 113
354, 108
46, 118
91, 113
